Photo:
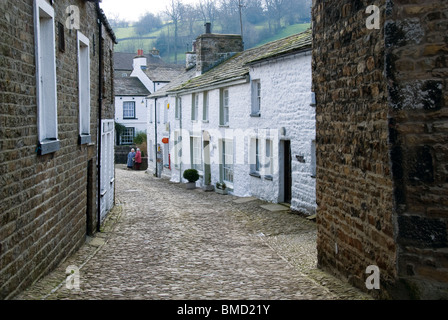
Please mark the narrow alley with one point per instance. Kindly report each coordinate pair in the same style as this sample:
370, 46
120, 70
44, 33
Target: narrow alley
164, 242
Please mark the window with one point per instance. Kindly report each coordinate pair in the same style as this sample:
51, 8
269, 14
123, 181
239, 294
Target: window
47, 126
61, 37
129, 110
227, 161
224, 107
178, 107
127, 136
256, 98
255, 157
177, 148
165, 112
313, 158
84, 88
151, 113
205, 104
151, 150
269, 161
166, 155
196, 153
194, 106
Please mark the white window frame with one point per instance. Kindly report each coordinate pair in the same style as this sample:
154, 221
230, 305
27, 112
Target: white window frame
128, 141
256, 98
269, 159
224, 107
205, 106
177, 148
178, 108
196, 153
46, 82
84, 88
124, 109
227, 162
194, 106
313, 165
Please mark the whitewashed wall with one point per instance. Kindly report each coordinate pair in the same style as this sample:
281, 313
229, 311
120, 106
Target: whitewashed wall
141, 112
286, 97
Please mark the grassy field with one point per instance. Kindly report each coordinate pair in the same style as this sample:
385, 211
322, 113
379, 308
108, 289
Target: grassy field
147, 41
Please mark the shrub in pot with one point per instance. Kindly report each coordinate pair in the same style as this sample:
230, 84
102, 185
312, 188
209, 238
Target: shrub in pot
192, 176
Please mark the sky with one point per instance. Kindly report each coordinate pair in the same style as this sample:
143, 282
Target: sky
131, 10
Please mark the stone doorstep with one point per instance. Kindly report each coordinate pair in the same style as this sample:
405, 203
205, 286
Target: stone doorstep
244, 200
275, 207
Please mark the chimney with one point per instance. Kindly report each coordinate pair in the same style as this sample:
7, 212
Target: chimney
190, 57
139, 61
155, 52
208, 27
212, 49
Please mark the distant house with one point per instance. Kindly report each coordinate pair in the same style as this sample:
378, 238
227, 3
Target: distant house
57, 128
243, 118
136, 77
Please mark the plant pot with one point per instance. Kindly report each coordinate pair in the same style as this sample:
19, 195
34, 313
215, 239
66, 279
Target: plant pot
221, 191
191, 185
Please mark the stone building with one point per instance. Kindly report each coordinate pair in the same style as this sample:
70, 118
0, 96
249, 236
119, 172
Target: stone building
243, 118
379, 77
56, 129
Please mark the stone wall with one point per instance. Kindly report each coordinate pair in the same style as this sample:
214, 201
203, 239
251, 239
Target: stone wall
354, 188
212, 49
44, 198
417, 70
381, 144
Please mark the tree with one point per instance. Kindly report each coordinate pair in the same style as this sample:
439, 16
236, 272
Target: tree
208, 10
175, 11
147, 23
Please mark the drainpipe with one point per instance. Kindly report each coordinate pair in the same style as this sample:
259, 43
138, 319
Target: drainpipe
180, 125
100, 104
155, 135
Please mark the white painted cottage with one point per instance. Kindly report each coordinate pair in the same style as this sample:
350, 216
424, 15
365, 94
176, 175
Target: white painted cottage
243, 118
133, 84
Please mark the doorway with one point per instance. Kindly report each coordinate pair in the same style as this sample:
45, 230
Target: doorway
285, 172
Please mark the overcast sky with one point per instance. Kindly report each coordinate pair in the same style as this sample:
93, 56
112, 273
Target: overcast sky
131, 10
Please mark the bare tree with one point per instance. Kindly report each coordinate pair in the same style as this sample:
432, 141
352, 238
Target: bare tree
175, 11
208, 10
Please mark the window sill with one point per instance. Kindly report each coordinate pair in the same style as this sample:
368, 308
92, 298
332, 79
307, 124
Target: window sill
268, 177
204, 121
255, 175
223, 125
84, 139
130, 118
255, 115
48, 146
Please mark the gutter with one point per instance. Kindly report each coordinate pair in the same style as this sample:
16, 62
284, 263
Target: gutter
234, 81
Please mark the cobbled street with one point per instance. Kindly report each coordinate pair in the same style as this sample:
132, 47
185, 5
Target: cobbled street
162, 241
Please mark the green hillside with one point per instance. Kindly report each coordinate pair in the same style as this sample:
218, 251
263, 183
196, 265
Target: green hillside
130, 41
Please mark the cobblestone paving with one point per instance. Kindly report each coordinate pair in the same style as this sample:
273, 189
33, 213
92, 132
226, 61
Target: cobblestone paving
162, 241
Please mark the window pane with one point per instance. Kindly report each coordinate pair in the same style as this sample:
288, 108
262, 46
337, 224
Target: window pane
129, 109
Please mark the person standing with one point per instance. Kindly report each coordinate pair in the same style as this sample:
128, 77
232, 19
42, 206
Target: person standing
138, 159
131, 158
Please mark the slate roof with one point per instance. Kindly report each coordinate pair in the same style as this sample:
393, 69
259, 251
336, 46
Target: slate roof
182, 78
164, 72
129, 86
237, 67
124, 60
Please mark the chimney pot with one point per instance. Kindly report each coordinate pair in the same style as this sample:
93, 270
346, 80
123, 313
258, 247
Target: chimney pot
208, 27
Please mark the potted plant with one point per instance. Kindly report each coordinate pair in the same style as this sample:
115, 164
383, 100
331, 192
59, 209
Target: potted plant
192, 176
221, 188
